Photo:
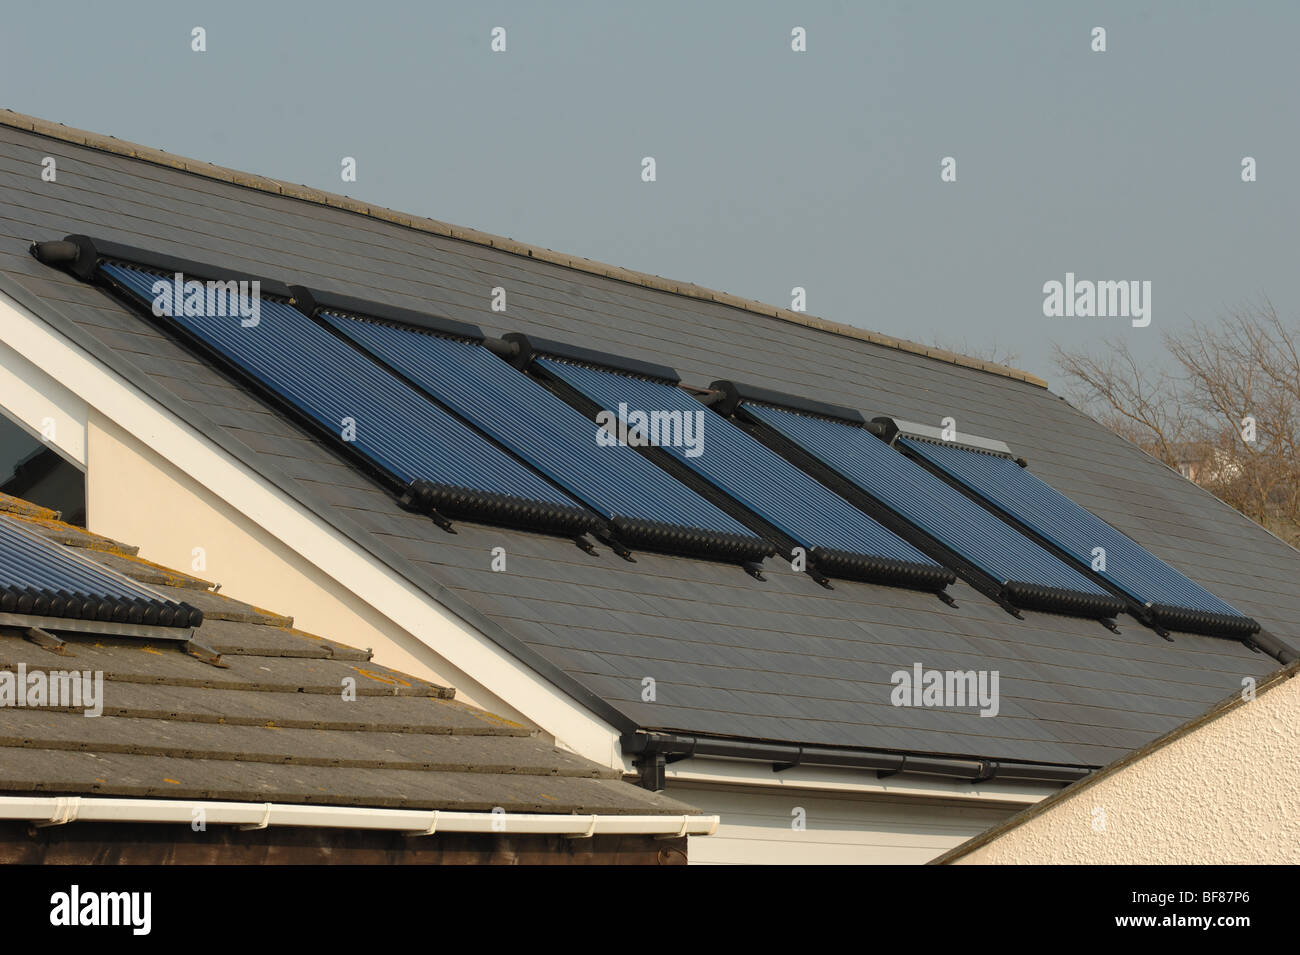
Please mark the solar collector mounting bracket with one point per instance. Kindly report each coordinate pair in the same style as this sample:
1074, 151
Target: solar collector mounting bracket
110, 628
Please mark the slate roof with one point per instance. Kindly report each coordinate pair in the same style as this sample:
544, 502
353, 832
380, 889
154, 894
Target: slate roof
270, 724
782, 660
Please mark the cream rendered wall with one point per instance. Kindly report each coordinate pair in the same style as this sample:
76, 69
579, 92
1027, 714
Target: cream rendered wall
839, 829
134, 496
1226, 792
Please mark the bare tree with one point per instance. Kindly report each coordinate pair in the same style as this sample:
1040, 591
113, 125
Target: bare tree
1226, 414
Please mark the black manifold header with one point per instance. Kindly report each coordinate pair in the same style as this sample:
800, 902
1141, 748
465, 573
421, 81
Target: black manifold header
530, 347
735, 392
81, 255
309, 301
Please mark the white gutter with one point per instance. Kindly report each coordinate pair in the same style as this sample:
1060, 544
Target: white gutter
61, 810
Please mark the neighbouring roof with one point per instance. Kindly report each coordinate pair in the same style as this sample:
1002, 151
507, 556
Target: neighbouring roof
270, 722
778, 660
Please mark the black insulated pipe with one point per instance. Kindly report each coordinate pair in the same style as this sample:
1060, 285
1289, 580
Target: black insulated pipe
59, 254
1271, 645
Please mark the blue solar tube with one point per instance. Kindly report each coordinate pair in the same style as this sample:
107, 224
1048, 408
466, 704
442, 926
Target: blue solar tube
39, 578
838, 538
1005, 563
644, 505
441, 461
1168, 598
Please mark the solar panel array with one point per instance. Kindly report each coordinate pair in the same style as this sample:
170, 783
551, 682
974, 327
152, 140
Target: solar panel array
39, 578
838, 537
1019, 570
1167, 596
446, 464
645, 506
458, 431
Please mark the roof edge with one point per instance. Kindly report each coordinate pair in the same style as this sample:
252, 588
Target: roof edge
121, 147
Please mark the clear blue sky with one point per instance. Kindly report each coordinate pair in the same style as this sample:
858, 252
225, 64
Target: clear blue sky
775, 168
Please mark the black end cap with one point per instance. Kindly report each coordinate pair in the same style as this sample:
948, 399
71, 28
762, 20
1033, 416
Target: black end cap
75, 254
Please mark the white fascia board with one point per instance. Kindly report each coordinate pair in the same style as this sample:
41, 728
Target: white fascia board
67, 367
734, 772
45, 408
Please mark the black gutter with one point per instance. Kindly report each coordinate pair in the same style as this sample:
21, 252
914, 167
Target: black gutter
653, 749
